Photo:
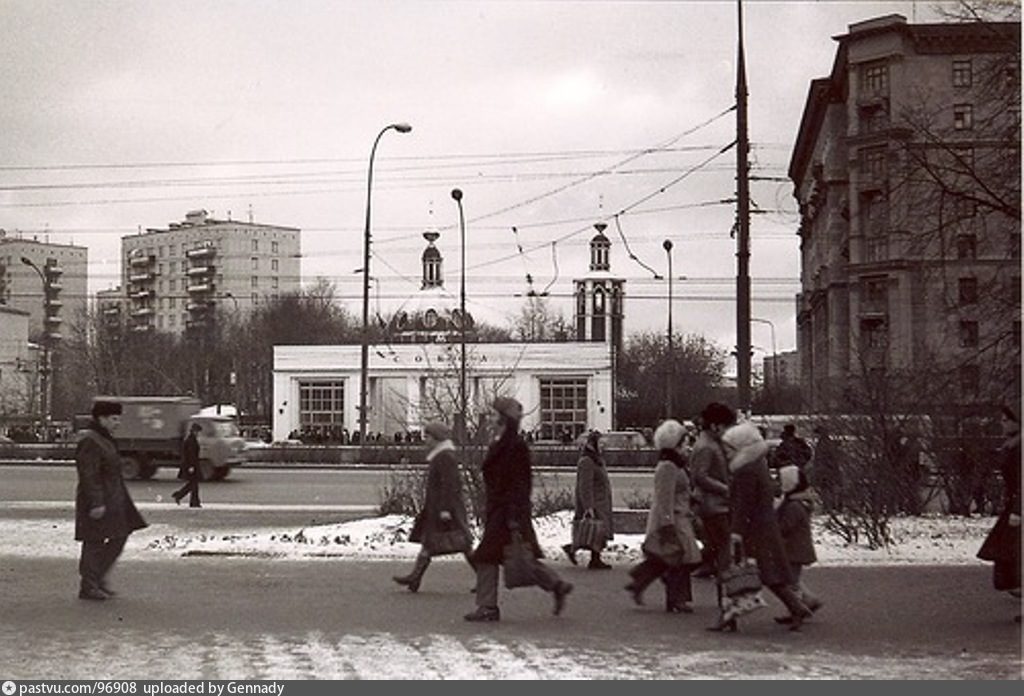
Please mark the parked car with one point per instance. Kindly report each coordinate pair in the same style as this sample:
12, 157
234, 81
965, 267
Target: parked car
618, 439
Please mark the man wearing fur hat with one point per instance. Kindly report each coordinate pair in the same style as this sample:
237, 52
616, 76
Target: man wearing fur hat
104, 512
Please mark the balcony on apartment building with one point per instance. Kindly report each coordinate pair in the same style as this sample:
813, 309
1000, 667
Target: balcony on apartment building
142, 326
199, 271
141, 260
138, 277
143, 294
198, 306
142, 312
202, 252
201, 287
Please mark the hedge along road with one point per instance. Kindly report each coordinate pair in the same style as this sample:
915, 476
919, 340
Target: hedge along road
268, 485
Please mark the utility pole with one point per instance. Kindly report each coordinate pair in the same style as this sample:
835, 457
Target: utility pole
742, 225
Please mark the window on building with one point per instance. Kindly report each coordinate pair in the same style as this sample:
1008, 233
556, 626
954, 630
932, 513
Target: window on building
171, 319
254, 298
273, 264
255, 245
255, 281
321, 405
1015, 289
160, 252
966, 208
172, 285
563, 407
873, 163
877, 247
274, 247
874, 121
963, 156
969, 378
160, 321
255, 263
160, 269
874, 79
876, 295
962, 73
963, 116
967, 291
966, 246
874, 334
171, 302
274, 283
968, 334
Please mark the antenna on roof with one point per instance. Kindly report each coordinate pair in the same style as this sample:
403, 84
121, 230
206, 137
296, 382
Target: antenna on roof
250, 213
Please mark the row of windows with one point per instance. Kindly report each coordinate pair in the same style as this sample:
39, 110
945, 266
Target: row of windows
172, 249
874, 77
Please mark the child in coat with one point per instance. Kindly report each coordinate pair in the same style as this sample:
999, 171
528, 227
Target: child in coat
793, 511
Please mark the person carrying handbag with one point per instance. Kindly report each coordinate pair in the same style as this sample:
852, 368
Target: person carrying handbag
441, 527
508, 526
592, 520
670, 545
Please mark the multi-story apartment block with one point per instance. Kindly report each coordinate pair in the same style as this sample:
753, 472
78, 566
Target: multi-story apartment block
782, 369
49, 281
907, 173
176, 278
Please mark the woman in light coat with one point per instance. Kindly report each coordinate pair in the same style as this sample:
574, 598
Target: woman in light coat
670, 545
593, 497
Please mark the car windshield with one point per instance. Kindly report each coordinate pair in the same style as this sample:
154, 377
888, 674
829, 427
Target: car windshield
225, 429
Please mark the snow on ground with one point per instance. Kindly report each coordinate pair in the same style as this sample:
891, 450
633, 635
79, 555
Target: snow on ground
924, 540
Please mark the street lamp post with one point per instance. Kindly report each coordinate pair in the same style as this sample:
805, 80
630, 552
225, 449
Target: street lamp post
775, 355
457, 195
667, 245
365, 349
233, 377
44, 370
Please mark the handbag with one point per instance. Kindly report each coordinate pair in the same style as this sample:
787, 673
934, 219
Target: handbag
742, 577
520, 563
589, 533
451, 538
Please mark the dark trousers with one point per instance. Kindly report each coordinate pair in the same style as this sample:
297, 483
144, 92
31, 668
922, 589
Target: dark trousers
487, 582
192, 488
716, 546
97, 559
678, 588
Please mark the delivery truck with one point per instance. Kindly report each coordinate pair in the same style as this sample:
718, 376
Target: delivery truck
153, 428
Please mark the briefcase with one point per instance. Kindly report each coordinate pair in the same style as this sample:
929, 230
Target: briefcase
589, 533
520, 563
742, 577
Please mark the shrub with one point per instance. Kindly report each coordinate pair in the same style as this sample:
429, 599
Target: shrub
403, 492
547, 501
638, 500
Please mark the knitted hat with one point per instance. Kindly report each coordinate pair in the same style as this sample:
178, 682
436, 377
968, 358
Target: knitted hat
742, 435
437, 430
669, 434
508, 407
789, 478
102, 407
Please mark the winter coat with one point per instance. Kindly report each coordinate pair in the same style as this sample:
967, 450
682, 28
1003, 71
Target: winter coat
710, 476
670, 508
794, 516
100, 484
792, 450
594, 489
444, 494
508, 483
753, 515
1002, 545
189, 458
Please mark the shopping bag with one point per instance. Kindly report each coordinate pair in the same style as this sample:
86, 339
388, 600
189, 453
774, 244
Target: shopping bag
451, 538
742, 576
589, 533
520, 563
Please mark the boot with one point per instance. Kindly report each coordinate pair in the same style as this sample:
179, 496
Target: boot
723, 624
571, 553
798, 611
483, 614
596, 563
562, 589
412, 580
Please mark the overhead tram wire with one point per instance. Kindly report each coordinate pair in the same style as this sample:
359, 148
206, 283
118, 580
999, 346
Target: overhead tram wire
629, 251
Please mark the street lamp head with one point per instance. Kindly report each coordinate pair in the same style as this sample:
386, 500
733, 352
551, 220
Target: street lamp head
667, 245
401, 127
27, 261
457, 194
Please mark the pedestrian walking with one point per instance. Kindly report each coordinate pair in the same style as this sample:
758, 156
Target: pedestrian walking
670, 543
593, 500
711, 487
792, 450
507, 485
104, 512
1002, 545
441, 527
189, 469
754, 527
793, 511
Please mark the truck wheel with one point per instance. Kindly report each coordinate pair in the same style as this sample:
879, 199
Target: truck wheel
130, 467
146, 470
220, 473
206, 469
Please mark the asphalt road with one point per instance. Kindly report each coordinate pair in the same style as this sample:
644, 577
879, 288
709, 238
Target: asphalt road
247, 618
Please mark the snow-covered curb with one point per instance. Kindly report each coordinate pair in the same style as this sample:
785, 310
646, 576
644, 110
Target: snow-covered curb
923, 541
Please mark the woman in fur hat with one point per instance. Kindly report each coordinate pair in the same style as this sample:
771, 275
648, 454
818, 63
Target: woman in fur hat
753, 522
507, 485
441, 526
670, 545
593, 498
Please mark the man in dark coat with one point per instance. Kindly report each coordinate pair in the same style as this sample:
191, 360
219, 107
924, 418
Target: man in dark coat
441, 526
104, 512
1002, 545
754, 525
711, 484
507, 485
190, 468
793, 450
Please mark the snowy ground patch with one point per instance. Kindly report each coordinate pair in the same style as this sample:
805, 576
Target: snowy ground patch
923, 540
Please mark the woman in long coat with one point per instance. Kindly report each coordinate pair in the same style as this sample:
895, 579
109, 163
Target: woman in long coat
754, 524
104, 512
593, 498
670, 545
507, 485
441, 526
1002, 545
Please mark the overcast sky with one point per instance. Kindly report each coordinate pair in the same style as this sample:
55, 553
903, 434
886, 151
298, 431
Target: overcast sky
125, 114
